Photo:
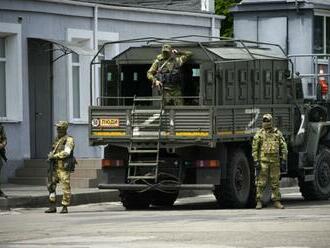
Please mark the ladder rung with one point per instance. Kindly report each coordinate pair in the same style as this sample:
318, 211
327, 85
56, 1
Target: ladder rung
140, 144
143, 138
146, 111
146, 125
141, 177
143, 99
142, 164
143, 151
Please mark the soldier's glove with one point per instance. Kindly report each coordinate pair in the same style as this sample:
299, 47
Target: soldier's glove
257, 168
157, 84
51, 156
283, 166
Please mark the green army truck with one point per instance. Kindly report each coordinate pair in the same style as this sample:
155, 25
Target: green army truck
153, 150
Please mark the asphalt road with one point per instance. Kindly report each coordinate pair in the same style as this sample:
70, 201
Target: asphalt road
193, 222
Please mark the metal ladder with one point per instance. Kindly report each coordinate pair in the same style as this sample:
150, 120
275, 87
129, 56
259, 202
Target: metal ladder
144, 145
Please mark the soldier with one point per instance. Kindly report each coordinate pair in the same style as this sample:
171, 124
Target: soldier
164, 72
62, 164
269, 152
3, 143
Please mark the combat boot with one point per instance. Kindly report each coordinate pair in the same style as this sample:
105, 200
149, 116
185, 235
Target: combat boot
259, 205
277, 204
51, 209
64, 210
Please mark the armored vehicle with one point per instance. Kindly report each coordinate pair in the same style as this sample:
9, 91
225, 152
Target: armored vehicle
153, 150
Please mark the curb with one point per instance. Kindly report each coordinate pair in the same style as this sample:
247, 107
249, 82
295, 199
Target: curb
76, 199
42, 201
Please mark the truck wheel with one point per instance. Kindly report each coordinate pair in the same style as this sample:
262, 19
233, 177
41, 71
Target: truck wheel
319, 188
234, 191
133, 200
164, 199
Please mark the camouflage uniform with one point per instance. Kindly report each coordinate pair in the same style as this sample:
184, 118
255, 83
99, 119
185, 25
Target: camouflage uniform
165, 68
268, 150
63, 147
3, 142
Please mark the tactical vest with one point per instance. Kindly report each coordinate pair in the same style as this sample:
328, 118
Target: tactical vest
169, 73
270, 146
69, 162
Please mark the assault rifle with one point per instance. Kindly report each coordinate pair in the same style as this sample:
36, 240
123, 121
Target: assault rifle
51, 168
3, 154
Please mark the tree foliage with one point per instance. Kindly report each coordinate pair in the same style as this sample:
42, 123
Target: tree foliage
222, 8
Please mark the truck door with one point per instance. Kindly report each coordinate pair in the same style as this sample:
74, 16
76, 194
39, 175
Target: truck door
242, 90
266, 76
280, 83
207, 91
109, 83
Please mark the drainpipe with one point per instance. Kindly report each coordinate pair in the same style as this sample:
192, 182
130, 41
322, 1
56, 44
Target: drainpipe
95, 47
213, 32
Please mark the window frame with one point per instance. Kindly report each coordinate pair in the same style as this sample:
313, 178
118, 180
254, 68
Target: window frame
73, 66
3, 60
324, 38
12, 33
85, 38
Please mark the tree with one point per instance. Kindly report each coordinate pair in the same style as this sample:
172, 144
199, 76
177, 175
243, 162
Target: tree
222, 8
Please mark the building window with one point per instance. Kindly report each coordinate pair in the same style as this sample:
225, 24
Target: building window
79, 76
11, 97
76, 85
195, 72
318, 34
2, 77
321, 34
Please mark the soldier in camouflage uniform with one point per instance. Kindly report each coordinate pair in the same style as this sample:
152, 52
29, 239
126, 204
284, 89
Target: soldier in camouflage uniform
59, 171
164, 72
3, 143
269, 152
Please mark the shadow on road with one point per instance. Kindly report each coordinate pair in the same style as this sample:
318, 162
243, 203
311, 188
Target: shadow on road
209, 203
290, 202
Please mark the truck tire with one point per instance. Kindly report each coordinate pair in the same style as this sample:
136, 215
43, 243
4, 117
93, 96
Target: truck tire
234, 191
133, 200
319, 188
164, 199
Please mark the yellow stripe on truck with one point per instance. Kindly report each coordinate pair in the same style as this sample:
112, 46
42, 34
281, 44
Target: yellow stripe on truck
109, 134
192, 134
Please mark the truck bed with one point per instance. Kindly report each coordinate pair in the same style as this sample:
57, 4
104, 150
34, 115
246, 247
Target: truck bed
186, 125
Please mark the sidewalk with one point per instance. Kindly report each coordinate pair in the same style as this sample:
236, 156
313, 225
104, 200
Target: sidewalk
26, 196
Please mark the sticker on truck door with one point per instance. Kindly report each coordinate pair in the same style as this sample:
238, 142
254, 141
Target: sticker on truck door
109, 122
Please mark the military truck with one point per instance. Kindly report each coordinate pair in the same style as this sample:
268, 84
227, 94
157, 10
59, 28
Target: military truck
153, 150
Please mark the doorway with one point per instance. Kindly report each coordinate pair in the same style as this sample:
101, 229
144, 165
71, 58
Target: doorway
40, 96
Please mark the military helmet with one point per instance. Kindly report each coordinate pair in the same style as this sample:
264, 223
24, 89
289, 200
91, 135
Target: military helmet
166, 48
267, 118
62, 124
